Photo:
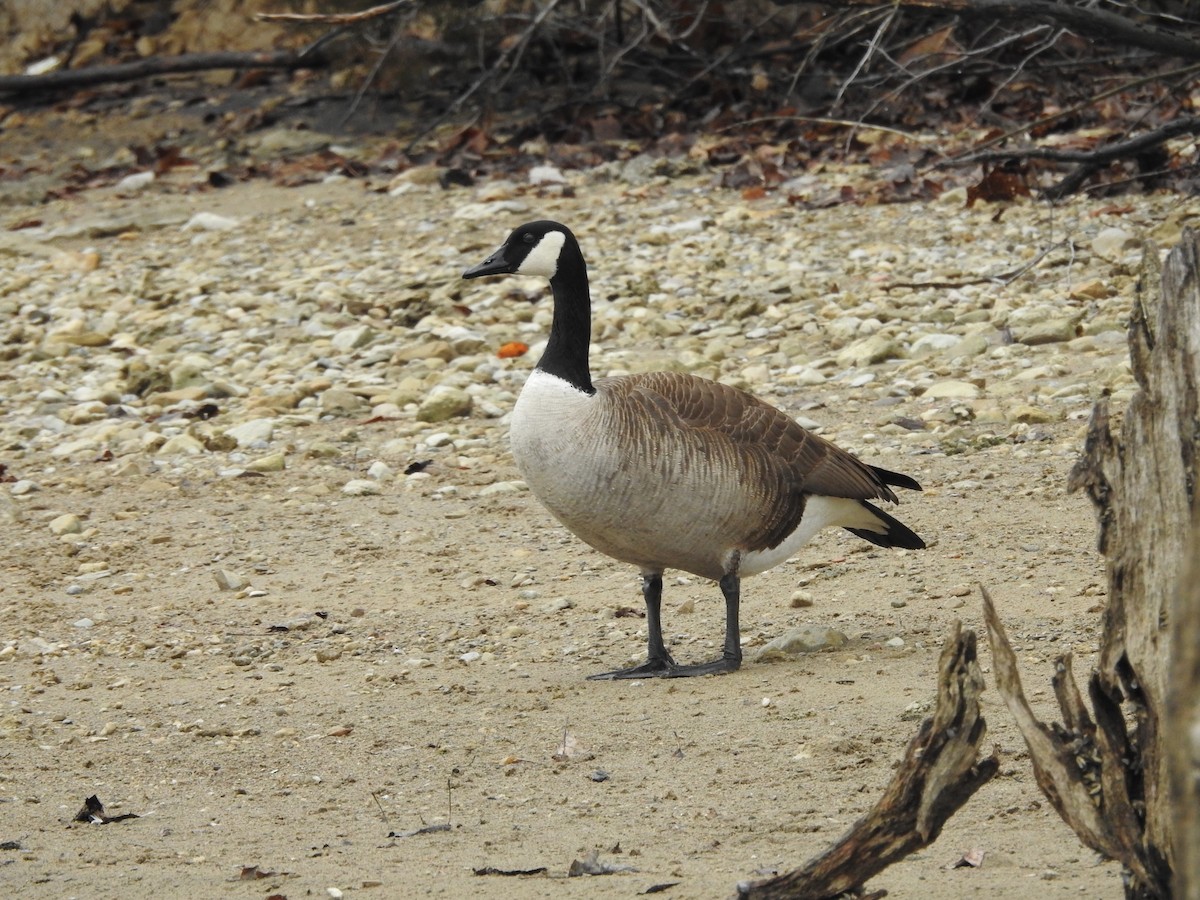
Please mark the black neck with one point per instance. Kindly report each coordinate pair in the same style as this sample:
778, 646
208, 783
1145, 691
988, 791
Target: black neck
566, 353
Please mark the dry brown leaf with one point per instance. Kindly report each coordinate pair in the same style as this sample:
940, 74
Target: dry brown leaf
928, 45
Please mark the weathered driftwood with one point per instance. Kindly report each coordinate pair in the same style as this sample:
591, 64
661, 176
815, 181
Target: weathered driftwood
1106, 771
941, 770
1183, 726
1081, 765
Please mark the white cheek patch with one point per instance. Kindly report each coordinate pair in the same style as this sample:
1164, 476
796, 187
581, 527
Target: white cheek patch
543, 258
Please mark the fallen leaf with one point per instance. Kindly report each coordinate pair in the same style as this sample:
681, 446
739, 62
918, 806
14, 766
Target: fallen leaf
998, 185
928, 45
512, 349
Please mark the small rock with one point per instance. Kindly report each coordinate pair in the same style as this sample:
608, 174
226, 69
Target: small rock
322, 450
502, 487
1049, 331
417, 176
252, 431
352, 338
229, 581
444, 404
1030, 415
1093, 289
806, 639
951, 390
272, 462
207, 221
933, 343
66, 524
1113, 243
181, 444
341, 402
379, 470
801, 600
24, 486
135, 182
425, 350
894, 643
361, 487
540, 175
874, 349
83, 623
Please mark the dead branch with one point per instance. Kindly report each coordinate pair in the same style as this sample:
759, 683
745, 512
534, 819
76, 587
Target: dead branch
1088, 161
940, 771
311, 57
1072, 110
1108, 26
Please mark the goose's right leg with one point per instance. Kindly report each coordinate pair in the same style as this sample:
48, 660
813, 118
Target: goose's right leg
658, 662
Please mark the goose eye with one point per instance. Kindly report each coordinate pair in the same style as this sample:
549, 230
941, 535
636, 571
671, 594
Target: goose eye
528, 238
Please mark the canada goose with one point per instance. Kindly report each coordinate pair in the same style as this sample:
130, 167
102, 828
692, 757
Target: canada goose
672, 471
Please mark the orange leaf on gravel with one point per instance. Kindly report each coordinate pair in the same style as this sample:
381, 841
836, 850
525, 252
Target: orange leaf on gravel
512, 349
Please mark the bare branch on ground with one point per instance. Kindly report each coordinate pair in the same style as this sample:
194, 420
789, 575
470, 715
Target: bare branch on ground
311, 57
940, 771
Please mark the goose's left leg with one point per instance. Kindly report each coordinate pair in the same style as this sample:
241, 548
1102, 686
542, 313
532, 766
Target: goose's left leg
731, 654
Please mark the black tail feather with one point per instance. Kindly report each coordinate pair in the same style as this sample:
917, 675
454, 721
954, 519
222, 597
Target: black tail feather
898, 534
896, 479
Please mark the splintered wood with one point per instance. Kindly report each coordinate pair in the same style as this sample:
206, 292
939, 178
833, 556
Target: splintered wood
941, 770
1108, 770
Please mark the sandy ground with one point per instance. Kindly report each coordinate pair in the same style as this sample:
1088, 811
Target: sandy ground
431, 664
308, 770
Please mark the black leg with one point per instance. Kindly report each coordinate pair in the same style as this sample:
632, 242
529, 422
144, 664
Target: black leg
731, 654
658, 661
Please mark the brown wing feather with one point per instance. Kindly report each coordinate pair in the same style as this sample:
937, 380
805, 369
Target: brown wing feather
777, 457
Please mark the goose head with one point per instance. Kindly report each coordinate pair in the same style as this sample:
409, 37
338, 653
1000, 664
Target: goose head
549, 250
535, 248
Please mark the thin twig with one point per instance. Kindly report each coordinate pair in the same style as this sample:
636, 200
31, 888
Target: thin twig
335, 18
866, 57
397, 33
1001, 278
1010, 77
822, 120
